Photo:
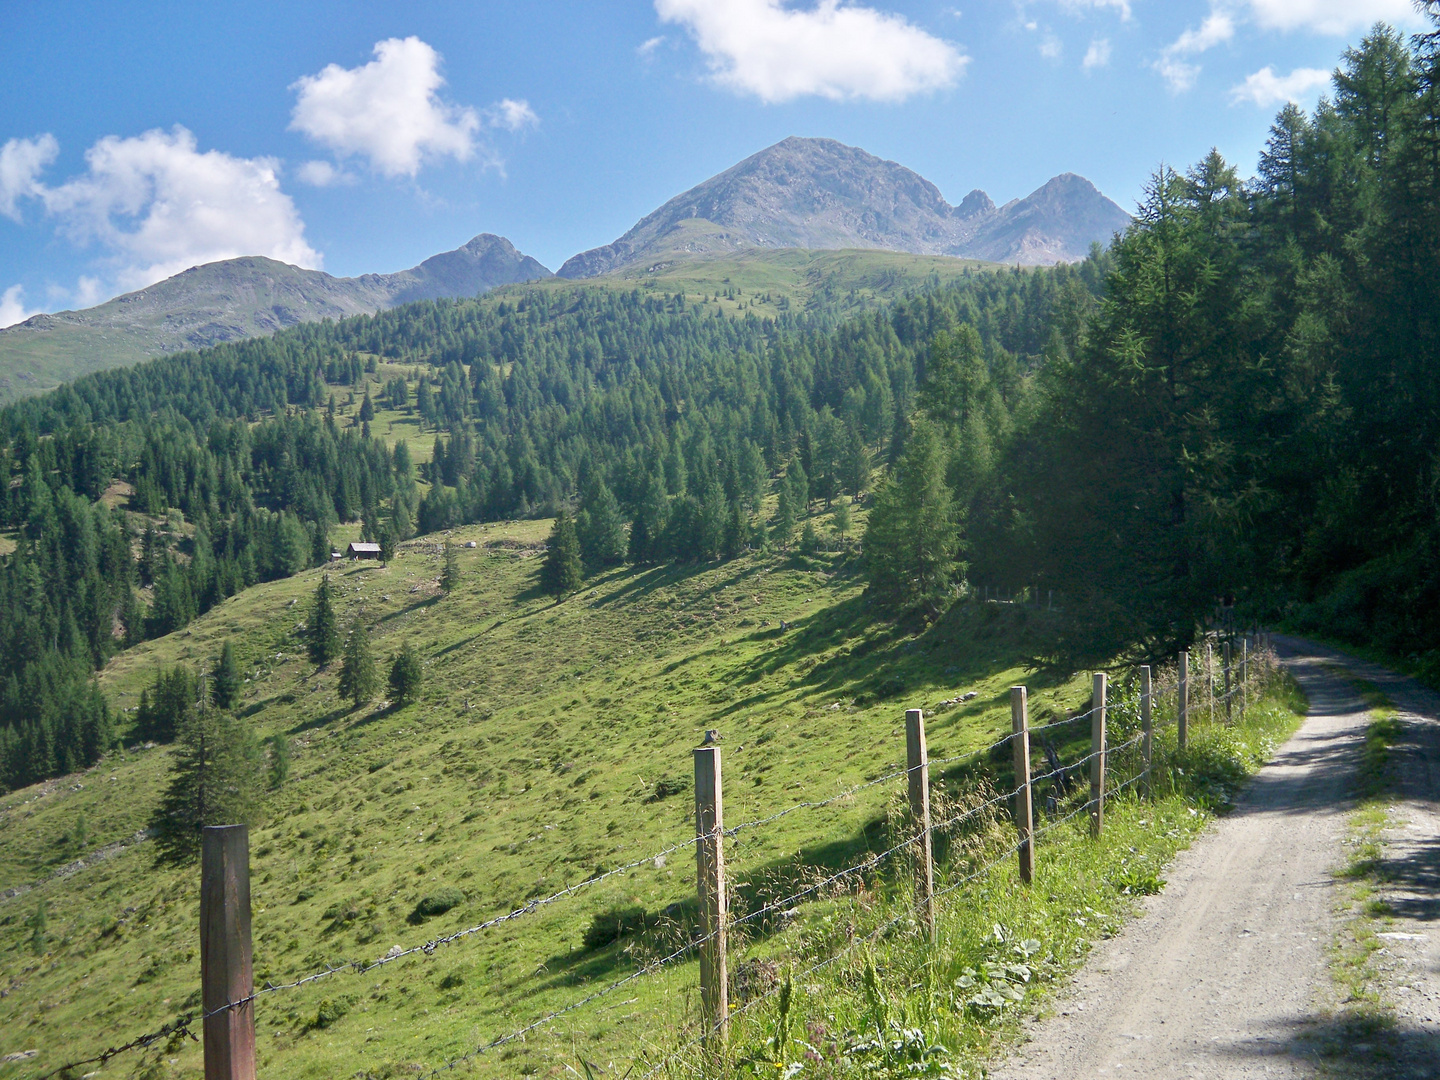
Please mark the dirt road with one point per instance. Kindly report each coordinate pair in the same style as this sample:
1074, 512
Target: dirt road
1226, 973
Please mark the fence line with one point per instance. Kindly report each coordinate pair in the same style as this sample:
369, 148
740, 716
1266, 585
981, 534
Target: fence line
182, 1026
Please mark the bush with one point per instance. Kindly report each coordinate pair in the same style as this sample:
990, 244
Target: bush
615, 923
437, 904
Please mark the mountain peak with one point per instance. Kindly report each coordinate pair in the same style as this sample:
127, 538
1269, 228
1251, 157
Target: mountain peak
237, 298
820, 193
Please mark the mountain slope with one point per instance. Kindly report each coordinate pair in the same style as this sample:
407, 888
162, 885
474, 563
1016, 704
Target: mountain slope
819, 193
234, 299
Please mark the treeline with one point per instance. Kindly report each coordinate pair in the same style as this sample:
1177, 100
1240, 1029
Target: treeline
642, 409
1254, 408
224, 507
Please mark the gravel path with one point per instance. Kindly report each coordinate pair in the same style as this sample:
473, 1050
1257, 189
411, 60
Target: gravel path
1225, 974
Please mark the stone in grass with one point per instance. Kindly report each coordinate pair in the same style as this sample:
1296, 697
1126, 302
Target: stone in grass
436, 903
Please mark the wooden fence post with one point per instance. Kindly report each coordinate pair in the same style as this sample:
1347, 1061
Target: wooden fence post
1210, 677
226, 975
710, 881
1147, 744
1182, 706
1097, 750
1024, 798
1244, 671
1229, 715
917, 764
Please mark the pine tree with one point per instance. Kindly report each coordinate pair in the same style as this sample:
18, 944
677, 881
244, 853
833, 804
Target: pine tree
225, 683
406, 676
600, 527
911, 540
450, 575
841, 518
367, 409
214, 780
560, 574
323, 633
358, 678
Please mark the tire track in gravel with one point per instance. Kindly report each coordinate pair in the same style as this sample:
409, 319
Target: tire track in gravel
1225, 973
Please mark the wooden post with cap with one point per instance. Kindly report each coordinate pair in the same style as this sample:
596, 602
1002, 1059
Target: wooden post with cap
710, 882
1147, 729
1024, 798
226, 975
917, 765
1097, 758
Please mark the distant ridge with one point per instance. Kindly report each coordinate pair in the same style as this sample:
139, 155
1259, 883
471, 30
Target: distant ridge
819, 193
235, 299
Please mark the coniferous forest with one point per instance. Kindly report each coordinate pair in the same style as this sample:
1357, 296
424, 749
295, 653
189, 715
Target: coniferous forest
1241, 397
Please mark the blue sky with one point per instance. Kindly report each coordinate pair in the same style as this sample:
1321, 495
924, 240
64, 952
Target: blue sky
139, 139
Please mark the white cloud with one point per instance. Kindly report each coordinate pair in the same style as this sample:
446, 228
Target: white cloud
1098, 55
1051, 48
645, 48
388, 110
512, 115
12, 307
1122, 6
835, 50
1178, 71
1267, 89
323, 174
21, 163
1330, 16
161, 206
88, 292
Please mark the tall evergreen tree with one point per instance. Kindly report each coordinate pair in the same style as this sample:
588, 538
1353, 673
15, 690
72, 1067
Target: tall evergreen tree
450, 573
225, 682
911, 539
406, 676
600, 527
214, 779
323, 632
560, 574
358, 677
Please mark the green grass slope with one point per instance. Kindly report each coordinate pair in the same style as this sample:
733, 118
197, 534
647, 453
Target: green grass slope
770, 281
553, 741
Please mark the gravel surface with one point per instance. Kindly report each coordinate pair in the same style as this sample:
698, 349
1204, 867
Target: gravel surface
1225, 974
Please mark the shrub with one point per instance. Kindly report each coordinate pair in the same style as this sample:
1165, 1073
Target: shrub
615, 923
437, 904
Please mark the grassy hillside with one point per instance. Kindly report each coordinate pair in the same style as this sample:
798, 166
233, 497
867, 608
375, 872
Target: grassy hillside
544, 748
767, 282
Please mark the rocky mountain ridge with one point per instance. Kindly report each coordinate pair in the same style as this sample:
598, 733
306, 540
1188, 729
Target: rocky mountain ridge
819, 193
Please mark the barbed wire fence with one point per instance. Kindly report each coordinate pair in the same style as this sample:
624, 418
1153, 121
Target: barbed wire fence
1171, 706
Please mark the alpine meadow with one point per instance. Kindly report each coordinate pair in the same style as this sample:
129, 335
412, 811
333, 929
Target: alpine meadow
449, 601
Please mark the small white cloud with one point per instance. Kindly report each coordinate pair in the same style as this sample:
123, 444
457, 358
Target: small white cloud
646, 48
1122, 6
1098, 55
323, 174
12, 307
161, 206
88, 292
388, 110
1331, 16
1267, 89
835, 50
1051, 48
512, 115
1180, 73
21, 163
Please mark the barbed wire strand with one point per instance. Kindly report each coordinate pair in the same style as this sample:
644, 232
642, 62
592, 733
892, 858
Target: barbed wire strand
880, 930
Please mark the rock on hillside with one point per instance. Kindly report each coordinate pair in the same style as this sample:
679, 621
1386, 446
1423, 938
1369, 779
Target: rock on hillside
819, 193
234, 299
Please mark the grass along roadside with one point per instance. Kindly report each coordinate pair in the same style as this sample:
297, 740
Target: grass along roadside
1357, 1043
855, 990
